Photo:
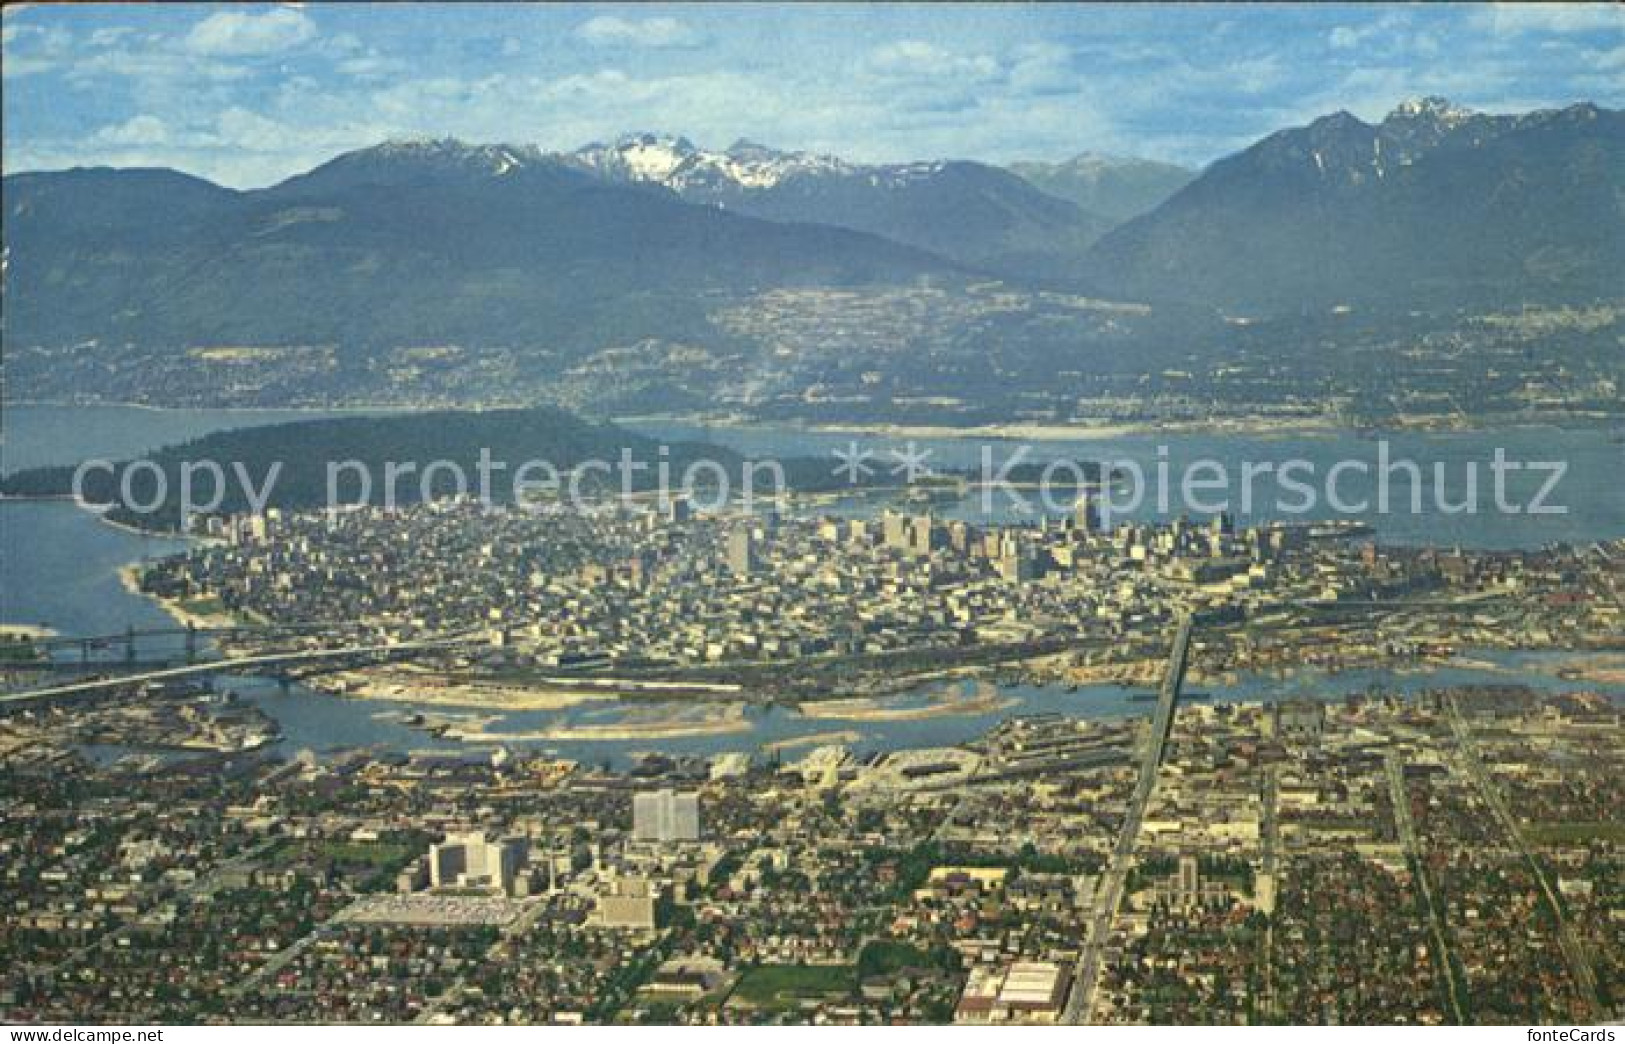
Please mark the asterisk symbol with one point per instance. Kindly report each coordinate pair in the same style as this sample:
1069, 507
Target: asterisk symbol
911, 462
854, 463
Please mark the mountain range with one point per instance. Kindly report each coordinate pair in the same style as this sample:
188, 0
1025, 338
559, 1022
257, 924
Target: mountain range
972, 213
419, 242
1115, 187
1434, 207
650, 237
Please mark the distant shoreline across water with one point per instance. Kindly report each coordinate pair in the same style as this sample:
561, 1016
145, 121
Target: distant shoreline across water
52, 436
1308, 426
70, 577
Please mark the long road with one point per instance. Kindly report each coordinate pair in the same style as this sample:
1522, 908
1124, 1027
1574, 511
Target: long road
238, 663
1109, 892
1585, 978
1270, 847
1401, 800
130, 636
128, 640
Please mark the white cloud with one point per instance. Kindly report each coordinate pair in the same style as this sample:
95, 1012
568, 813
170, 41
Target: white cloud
900, 95
30, 50
1346, 37
1393, 30
109, 37
242, 34
149, 61
1511, 19
142, 129
614, 31
920, 60
1607, 61
23, 65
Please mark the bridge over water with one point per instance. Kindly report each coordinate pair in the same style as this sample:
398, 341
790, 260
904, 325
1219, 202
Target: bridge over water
163, 644
331, 656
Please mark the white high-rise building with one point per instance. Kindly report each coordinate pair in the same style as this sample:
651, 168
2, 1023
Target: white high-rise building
742, 551
470, 861
665, 815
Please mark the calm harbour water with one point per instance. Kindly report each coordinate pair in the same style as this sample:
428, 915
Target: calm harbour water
34, 436
59, 567
1589, 492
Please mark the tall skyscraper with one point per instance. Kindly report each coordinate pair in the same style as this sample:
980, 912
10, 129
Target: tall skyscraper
665, 815
1085, 515
920, 532
741, 551
894, 530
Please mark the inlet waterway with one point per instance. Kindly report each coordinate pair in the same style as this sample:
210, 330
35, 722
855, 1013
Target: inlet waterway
59, 568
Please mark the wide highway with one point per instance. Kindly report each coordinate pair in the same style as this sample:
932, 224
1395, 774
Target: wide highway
1109, 892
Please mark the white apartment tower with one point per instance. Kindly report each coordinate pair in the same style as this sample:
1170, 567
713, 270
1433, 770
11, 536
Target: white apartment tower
665, 815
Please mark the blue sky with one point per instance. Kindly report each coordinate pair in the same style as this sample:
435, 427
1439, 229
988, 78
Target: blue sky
249, 94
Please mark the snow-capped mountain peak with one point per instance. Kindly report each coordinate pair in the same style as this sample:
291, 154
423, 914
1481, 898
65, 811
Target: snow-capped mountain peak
678, 164
1433, 109
750, 151
650, 157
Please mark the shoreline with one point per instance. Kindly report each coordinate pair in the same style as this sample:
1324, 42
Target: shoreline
130, 580
1311, 427
1570, 665
947, 702
149, 407
717, 720
101, 516
434, 692
21, 632
137, 531
843, 737
1038, 432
